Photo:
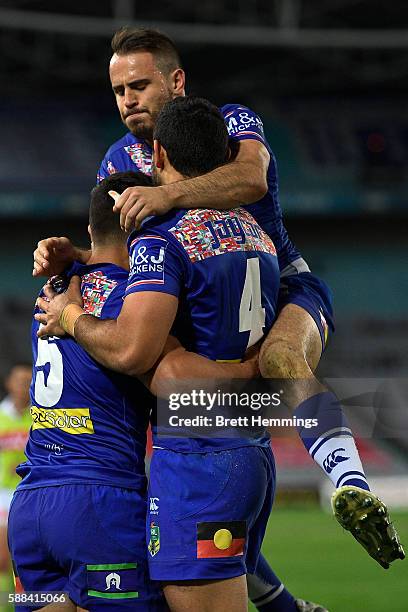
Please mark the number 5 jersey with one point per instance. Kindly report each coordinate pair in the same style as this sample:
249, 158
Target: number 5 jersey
88, 423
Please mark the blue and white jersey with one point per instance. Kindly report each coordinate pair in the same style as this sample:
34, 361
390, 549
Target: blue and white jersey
131, 153
224, 271
88, 423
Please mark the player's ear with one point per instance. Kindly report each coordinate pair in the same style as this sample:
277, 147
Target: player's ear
90, 233
178, 82
159, 154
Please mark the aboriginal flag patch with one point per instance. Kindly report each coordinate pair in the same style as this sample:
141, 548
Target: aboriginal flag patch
220, 539
18, 587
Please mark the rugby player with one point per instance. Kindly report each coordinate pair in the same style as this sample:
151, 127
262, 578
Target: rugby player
145, 70
176, 267
77, 518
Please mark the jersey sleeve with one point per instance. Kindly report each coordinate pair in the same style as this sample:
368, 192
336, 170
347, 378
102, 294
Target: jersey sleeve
243, 123
155, 265
113, 305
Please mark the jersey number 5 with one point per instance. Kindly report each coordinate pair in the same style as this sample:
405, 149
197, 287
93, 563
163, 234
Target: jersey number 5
251, 313
49, 380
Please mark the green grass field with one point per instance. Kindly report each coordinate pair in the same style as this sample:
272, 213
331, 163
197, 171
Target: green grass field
319, 561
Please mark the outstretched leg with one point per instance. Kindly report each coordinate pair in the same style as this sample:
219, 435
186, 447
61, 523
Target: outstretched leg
291, 352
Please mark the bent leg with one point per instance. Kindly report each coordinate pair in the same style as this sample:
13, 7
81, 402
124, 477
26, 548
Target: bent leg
292, 351
212, 596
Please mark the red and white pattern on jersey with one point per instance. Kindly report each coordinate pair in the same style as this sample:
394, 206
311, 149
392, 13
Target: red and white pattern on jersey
96, 288
111, 168
205, 233
141, 156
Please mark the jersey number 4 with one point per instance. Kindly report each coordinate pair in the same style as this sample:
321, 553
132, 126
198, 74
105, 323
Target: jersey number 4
251, 313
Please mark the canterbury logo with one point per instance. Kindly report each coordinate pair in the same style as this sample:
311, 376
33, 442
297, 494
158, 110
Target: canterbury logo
153, 505
70, 420
334, 459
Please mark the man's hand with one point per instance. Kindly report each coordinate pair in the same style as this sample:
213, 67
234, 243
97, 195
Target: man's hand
137, 203
53, 255
52, 306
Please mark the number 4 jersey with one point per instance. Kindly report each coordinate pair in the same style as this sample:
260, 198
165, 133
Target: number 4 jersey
88, 423
223, 269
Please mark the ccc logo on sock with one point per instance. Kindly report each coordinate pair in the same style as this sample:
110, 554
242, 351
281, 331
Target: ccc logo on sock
334, 459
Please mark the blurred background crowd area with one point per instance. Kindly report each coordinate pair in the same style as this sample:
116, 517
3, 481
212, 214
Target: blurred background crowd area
330, 81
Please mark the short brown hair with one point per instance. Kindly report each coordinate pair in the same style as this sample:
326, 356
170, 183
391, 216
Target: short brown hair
128, 40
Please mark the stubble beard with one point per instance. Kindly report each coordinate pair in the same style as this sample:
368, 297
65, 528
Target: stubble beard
139, 129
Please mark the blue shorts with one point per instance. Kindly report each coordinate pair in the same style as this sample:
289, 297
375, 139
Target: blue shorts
85, 540
208, 512
311, 294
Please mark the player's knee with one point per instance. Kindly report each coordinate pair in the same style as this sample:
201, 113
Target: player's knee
281, 359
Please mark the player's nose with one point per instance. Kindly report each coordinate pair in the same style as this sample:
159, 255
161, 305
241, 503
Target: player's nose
130, 98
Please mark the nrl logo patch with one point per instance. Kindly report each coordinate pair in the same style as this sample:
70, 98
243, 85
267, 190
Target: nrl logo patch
154, 544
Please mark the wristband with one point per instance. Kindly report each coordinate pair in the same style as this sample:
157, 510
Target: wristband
69, 316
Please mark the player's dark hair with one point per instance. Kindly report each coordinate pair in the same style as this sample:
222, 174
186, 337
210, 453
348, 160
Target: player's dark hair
130, 40
104, 223
194, 134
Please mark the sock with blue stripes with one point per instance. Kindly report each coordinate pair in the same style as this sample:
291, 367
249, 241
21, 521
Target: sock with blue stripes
266, 591
331, 443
